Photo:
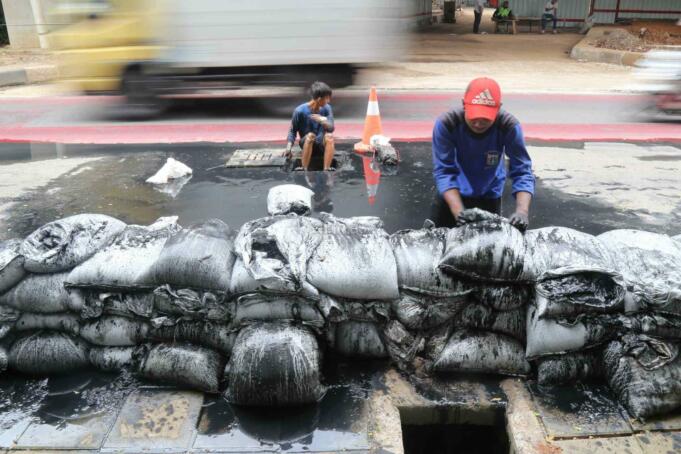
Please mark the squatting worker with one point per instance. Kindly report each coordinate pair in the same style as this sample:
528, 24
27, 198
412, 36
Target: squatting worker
469, 146
313, 122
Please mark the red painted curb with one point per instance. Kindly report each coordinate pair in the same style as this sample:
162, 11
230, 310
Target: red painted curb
414, 131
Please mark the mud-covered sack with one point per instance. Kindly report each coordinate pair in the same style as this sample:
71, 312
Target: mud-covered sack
125, 264
214, 335
8, 318
193, 304
275, 251
200, 256
402, 345
40, 293
362, 223
11, 264
4, 358
45, 353
261, 307
359, 340
570, 368
651, 266
115, 331
512, 323
60, 245
568, 295
546, 336
275, 364
336, 310
418, 311
486, 248
418, 254
66, 323
93, 303
289, 198
184, 365
354, 263
645, 374
482, 352
550, 249
112, 359
501, 297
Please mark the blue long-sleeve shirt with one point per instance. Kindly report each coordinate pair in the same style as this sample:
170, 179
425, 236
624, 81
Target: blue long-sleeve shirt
301, 124
474, 163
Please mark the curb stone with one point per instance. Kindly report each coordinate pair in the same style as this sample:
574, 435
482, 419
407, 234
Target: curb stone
583, 50
17, 75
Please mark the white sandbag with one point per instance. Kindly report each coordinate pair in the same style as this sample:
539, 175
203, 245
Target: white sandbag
501, 297
183, 365
66, 323
259, 307
200, 256
289, 198
61, 245
359, 340
115, 332
275, 252
126, 263
486, 248
11, 264
45, 353
422, 312
217, 336
93, 303
193, 304
571, 295
112, 359
651, 266
570, 368
354, 263
402, 345
275, 365
482, 352
417, 255
39, 293
511, 323
171, 170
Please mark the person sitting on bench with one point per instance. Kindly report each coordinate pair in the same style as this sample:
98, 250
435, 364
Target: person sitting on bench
550, 14
503, 15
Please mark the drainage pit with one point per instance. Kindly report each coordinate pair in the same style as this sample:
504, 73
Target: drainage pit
445, 430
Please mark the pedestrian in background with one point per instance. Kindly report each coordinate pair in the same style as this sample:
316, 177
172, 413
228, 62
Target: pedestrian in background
470, 144
478, 9
550, 13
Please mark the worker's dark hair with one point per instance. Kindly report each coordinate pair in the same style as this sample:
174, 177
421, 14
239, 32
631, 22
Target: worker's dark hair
319, 90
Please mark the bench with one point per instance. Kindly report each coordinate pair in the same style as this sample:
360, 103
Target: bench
506, 22
529, 21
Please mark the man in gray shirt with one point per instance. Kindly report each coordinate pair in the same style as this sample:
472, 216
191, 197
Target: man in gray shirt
550, 14
478, 9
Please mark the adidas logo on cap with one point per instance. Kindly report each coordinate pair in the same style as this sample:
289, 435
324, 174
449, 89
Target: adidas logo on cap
484, 98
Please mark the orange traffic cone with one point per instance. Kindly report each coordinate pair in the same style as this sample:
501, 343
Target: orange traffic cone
372, 178
372, 123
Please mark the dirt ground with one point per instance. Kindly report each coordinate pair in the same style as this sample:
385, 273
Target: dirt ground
641, 36
14, 57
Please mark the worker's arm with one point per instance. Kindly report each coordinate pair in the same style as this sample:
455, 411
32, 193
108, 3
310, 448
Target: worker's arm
520, 171
292, 132
445, 168
325, 120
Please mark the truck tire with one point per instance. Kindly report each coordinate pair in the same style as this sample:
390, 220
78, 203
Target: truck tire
141, 93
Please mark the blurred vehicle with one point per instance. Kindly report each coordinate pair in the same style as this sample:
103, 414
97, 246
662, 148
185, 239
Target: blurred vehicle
153, 50
660, 75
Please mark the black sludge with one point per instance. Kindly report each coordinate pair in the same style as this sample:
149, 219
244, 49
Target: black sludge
359, 340
63, 244
45, 353
570, 368
200, 256
501, 297
482, 352
199, 305
208, 334
421, 312
487, 248
184, 365
40, 293
94, 304
581, 293
645, 373
512, 323
275, 365
11, 264
112, 359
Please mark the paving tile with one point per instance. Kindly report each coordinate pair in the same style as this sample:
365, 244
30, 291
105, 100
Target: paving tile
88, 433
660, 442
10, 435
578, 411
153, 419
619, 445
665, 422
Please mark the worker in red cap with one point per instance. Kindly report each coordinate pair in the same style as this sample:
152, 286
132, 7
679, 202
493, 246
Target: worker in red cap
469, 149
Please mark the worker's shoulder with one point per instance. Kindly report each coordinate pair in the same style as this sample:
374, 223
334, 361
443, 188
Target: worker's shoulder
452, 119
301, 108
506, 121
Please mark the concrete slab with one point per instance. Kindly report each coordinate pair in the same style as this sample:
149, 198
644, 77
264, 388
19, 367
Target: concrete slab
88, 433
13, 76
579, 411
267, 157
660, 442
619, 445
10, 435
156, 420
665, 422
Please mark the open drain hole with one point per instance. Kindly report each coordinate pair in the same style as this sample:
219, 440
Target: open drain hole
316, 163
449, 430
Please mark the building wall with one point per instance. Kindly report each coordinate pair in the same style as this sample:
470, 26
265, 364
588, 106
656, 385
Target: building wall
21, 27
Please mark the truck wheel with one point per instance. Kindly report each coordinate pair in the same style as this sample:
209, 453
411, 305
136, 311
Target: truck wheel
141, 95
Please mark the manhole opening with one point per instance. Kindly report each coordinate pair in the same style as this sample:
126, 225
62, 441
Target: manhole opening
316, 163
445, 430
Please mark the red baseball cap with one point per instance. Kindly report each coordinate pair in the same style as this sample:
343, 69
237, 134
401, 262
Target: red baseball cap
482, 99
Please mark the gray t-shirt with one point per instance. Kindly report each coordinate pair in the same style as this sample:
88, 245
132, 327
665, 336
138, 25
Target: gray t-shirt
479, 6
550, 7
